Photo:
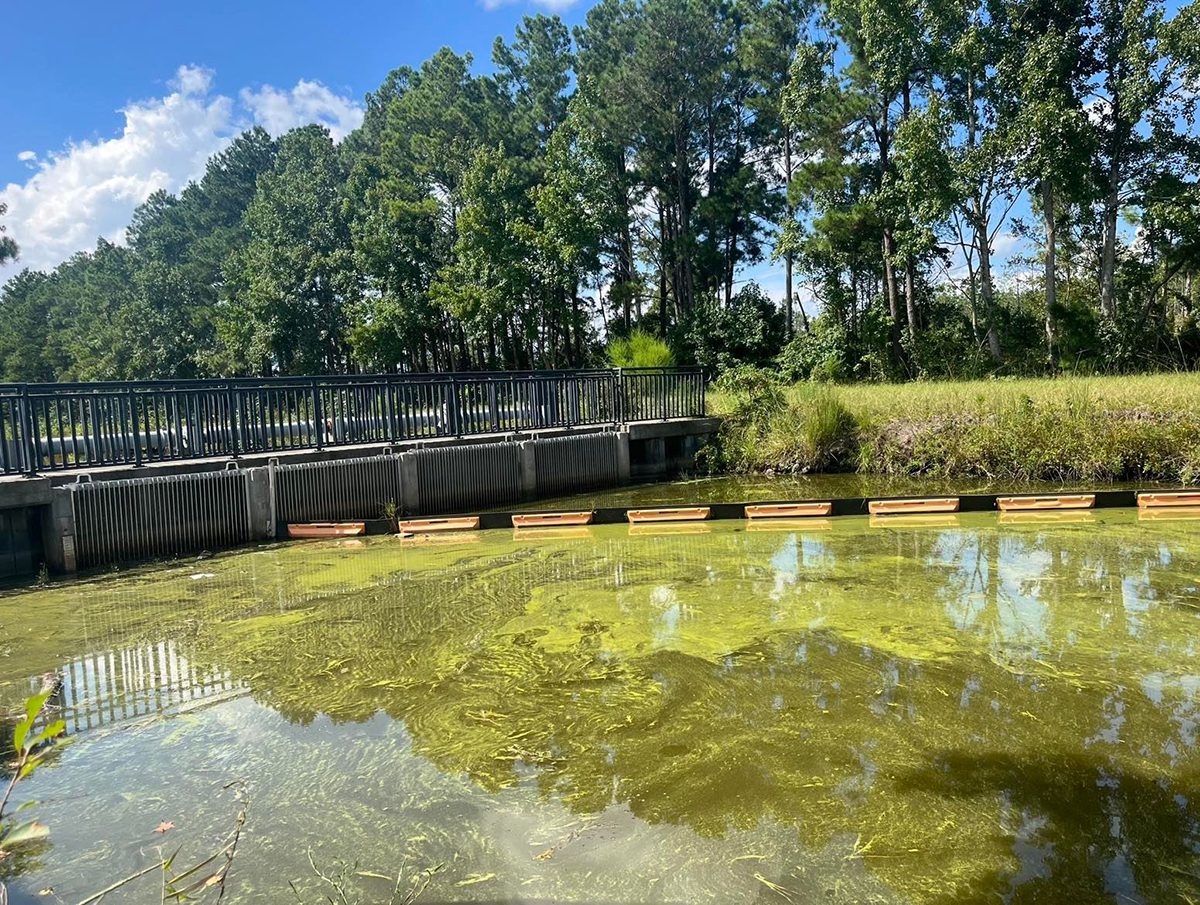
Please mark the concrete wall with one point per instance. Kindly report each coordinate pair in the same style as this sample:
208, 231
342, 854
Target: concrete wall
431, 479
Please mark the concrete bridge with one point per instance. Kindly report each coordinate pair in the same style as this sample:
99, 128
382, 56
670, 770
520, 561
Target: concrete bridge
94, 474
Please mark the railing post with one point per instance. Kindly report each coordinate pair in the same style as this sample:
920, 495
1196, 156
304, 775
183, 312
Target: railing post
493, 407
393, 433
452, 413
234, 426
133, 428
618, 385
29, 445
318, 417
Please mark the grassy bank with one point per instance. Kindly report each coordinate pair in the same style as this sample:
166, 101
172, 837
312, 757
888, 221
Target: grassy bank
1064, 429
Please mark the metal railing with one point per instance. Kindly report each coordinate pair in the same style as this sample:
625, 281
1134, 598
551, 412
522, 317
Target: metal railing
56, 426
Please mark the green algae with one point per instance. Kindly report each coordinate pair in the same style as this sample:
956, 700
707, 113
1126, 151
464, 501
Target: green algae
927, 715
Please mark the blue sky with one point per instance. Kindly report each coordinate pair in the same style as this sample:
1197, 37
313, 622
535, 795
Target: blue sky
104, 102
76, 64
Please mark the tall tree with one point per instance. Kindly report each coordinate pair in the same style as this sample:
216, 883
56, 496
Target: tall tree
776, 35
883, 41
8, 247
602, 62
287, 294
26, 302
1045, 66
674, 73
965, 50
1143, 97
181, 246
533, 72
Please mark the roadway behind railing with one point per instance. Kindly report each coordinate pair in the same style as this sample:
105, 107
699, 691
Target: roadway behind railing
57, 426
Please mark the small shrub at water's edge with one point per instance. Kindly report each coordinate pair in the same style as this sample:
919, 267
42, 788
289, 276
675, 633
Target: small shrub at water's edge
829, 428
764, 430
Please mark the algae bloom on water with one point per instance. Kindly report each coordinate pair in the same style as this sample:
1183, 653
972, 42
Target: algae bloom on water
960, 712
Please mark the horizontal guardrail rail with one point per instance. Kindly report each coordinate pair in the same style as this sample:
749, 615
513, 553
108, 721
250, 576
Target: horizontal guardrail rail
59, 426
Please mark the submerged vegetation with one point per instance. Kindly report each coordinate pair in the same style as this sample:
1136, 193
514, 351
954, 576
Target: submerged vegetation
35, 734
1068, 429
677, 718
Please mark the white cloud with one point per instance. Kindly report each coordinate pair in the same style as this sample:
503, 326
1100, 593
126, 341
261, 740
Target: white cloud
89, 189
309, 102
555, 6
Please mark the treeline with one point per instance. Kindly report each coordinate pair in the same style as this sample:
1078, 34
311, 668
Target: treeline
624, 176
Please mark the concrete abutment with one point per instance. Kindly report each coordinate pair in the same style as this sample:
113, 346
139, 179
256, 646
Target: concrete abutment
76, 520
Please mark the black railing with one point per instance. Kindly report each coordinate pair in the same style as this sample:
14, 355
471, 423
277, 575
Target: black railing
55, 426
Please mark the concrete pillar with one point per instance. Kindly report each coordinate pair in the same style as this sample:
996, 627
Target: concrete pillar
623, 472
410, 489
58, 532
656, 455
529, 486
688, 446
260, 497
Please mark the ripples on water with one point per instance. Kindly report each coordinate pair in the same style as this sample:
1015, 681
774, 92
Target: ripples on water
957, 712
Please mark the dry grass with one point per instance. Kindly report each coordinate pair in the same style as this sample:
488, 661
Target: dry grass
1153, 392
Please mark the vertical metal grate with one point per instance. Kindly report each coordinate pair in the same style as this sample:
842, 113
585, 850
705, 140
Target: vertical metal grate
143, 518
565, 464
458, 478
350, 489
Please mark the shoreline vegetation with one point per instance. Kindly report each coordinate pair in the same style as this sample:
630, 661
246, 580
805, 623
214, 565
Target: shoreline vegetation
1099, 429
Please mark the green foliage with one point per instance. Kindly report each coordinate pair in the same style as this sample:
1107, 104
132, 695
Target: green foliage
767, 429
747, 331
287, 283
640, 165
819, 353
1026, 441
752, 395
639, 350
1068, 429
30, 748
8, 248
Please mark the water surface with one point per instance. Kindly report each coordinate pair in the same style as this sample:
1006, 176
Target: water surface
957, 711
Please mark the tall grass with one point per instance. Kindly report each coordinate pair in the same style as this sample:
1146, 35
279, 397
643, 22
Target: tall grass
640, 350
1098, 429
766, 430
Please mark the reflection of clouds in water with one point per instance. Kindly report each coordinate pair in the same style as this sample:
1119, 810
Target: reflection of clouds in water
1113, 714
785, 566
1135, 599
1033, 854
1178, 695
666, 625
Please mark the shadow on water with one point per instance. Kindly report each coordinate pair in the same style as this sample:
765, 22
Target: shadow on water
1101, 833
925, 715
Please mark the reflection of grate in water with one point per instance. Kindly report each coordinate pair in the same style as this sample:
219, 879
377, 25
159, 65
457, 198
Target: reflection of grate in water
286, 577
126, 683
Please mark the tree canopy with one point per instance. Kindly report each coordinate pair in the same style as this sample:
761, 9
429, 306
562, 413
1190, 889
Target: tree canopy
626, 176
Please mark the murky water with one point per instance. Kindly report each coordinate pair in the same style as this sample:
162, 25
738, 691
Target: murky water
957, 711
